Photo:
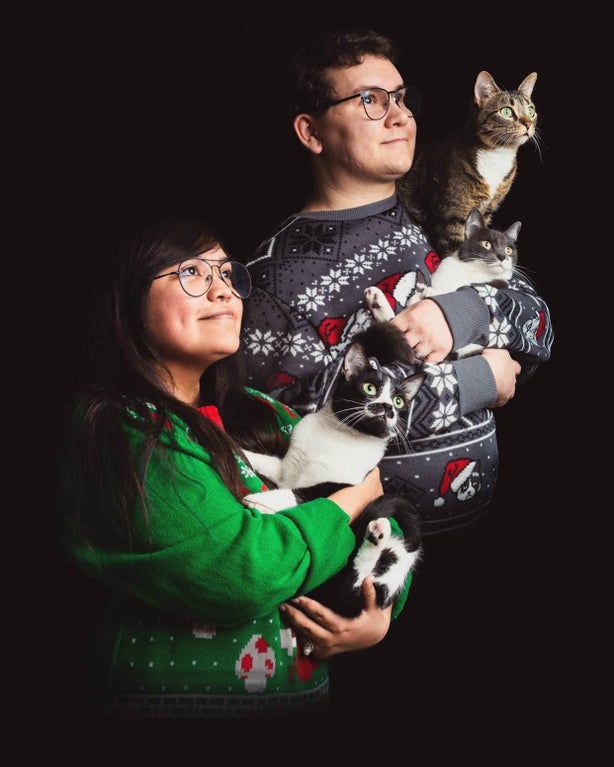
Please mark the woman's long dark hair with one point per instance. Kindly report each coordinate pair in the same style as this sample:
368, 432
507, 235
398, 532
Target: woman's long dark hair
122, 371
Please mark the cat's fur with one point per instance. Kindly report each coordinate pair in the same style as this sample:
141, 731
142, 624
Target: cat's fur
337, 446
486, 256
472, 168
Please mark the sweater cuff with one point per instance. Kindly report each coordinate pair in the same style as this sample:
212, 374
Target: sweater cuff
477, 388
466, 313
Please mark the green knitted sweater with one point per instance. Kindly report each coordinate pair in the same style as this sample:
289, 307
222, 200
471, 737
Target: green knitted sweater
193, 627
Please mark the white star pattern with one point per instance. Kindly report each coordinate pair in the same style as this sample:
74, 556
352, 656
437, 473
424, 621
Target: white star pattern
359, 263
498, 332
261, 342
334, 279
444, 416
442, 377
488, 293
383, 249
409, 235
310, 299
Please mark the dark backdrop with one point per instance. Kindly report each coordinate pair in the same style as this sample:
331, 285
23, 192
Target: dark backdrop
140, 114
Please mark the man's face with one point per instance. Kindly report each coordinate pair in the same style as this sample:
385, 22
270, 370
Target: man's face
355, 145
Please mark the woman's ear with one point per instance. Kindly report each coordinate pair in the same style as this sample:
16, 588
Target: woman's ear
305, 128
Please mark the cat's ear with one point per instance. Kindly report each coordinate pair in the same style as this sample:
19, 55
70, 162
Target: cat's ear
527, 85
484, 88
474, 223
513, 230
411, 385
355, 360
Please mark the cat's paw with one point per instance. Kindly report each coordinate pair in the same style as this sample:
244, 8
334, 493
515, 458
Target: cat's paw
270, 501
378, 304
379, 531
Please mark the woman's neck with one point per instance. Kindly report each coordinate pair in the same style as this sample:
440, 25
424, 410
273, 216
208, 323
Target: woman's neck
184, 385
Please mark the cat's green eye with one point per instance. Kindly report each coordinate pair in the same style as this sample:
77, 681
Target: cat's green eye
369, 389
531, 111
508, 251
398, 402
506, 112
486, 244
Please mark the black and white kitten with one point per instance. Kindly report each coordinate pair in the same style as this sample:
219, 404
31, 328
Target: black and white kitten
485, 256
337, 446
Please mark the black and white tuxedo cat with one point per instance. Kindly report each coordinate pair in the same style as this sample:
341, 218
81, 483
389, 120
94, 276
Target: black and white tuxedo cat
337, 446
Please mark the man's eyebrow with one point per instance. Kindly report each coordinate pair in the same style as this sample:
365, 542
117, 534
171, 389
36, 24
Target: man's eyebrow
367, 87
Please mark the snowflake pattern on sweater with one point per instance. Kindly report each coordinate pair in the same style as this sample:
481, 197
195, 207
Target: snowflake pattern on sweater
307, 304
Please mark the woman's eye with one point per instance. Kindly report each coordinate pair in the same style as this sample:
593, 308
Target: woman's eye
189, 271
531, 111
398, 402
508, 251
506, 112
486, 244
227, 273
369, 389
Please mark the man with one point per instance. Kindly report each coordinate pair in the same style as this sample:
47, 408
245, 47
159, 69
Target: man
353, 116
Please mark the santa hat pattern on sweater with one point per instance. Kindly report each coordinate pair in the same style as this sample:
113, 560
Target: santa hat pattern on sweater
455, 474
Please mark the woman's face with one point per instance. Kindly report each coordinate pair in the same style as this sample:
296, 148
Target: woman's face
188, 333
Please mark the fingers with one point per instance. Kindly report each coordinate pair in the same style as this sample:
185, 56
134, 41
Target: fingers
369, 595
320, 614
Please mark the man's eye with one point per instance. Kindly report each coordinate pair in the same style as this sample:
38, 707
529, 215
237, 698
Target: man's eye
226, 272
189, 271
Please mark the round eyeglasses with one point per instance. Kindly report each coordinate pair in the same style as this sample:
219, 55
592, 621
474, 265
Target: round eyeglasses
196, 276
376, 101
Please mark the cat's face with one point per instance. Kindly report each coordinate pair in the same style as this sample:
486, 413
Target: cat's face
504, 118
369, 400
496, 250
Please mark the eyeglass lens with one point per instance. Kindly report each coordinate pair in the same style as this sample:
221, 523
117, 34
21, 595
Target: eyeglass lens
376, 101
196, 277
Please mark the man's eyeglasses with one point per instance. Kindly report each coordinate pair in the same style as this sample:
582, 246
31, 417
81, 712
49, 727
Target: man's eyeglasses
376, 101
196, 276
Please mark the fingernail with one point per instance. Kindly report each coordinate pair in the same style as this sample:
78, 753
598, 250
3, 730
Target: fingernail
283, 608
296, 601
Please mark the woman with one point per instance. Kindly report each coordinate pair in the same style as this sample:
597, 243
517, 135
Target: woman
198, 623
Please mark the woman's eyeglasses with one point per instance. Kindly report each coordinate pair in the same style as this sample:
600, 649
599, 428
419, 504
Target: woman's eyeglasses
196, 276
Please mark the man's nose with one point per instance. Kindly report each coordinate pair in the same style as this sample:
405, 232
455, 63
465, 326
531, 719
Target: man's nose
398, 114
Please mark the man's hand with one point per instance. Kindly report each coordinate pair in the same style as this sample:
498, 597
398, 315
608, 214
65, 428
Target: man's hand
504, 369
426, 330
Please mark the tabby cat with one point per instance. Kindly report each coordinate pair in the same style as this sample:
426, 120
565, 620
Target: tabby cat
474, 167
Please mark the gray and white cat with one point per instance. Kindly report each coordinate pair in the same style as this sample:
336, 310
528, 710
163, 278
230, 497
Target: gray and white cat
486, 256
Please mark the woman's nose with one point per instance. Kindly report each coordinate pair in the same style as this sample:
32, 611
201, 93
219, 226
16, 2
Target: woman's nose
218, 288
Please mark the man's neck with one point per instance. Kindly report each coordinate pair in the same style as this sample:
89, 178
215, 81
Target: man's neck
329, 196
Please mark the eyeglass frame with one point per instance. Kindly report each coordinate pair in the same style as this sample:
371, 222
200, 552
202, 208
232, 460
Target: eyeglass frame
210, 264
327, 104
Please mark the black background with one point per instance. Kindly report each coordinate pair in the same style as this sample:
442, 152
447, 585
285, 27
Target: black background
135, 113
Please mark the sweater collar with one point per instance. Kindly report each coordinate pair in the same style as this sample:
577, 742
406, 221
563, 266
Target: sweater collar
349, 214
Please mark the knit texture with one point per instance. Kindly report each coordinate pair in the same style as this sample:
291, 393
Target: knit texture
193, 627
307, 305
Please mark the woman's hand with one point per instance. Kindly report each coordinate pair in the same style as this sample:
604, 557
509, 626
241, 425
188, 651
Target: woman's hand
354, 499
330, 633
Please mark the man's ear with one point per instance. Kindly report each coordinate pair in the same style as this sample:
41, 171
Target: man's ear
305, 128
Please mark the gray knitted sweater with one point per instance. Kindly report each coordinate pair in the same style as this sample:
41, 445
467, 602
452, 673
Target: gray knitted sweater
307, 304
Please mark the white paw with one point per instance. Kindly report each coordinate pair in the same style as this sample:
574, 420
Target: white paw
378, 304
270, 501
379, 531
